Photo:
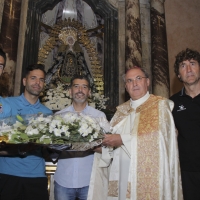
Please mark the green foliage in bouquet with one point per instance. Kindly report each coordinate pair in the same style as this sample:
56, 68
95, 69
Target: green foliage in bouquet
56, 129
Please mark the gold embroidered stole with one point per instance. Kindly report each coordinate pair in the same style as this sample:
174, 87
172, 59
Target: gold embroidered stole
122, 111
147, 149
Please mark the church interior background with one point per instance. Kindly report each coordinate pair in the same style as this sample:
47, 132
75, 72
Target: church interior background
106, 37
98, 38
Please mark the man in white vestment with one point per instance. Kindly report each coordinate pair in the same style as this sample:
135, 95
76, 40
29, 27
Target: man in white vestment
144, 164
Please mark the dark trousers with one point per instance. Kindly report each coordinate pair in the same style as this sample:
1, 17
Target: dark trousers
191, 185
22, 188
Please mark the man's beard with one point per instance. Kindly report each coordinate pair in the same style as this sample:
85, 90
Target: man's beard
32, 91
79, 100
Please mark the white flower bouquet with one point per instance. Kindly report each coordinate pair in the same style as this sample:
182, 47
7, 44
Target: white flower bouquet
59, 98
56, 98
80, 131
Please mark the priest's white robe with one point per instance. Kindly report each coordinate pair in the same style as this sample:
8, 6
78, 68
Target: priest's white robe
146, 166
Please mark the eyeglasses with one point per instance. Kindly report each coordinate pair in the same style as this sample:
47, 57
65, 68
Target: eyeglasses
137, 79
1, 66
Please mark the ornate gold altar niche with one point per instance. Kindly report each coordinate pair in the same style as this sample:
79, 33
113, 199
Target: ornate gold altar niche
71, 37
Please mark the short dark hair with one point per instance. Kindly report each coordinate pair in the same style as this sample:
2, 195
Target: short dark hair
77, 76
34, 67
136, 67
187, 54
3, 54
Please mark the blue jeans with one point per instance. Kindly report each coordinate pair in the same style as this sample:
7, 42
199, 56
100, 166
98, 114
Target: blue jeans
63, 193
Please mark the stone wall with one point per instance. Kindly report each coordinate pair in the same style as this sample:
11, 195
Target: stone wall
183, 28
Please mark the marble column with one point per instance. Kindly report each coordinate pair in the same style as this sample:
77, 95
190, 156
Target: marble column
160, 68
133, 34
20, 50
1, 11
146, 37
9, 36
121, 48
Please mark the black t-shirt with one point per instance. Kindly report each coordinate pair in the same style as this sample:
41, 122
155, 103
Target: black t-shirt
186, 115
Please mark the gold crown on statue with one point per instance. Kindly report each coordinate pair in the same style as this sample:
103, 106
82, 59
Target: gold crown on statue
68, 35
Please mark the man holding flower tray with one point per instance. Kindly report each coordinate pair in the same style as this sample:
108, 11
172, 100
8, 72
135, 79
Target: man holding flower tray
72, 176
24, 178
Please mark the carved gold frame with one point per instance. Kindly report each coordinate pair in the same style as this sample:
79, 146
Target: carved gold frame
60, 32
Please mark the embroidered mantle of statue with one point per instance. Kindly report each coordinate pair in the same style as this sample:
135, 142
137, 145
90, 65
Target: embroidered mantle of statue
69, 61
74, 53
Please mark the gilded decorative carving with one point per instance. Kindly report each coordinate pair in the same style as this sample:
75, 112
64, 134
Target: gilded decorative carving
68, 32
